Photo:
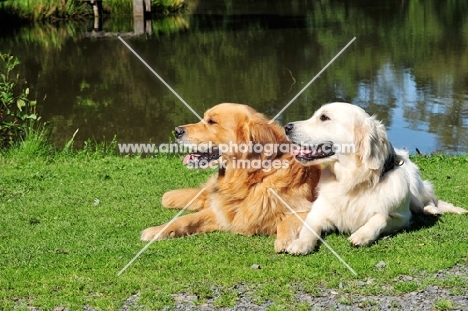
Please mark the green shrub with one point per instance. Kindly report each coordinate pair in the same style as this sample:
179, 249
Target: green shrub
17, 111
40, 10
37, 10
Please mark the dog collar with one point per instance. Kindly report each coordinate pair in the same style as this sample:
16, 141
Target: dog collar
389, 164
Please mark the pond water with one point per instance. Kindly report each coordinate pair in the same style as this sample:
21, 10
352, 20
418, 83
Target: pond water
408, 66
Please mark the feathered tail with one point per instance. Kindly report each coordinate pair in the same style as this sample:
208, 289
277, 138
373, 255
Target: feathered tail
446, 207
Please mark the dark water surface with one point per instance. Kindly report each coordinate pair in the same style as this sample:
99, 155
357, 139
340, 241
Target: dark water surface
408, 65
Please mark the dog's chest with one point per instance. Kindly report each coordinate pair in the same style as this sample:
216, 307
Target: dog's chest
346, 212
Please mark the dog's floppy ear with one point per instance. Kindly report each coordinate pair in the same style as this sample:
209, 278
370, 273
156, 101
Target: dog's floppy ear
268, 136
372, 143
257, 130
262, 132
243, 132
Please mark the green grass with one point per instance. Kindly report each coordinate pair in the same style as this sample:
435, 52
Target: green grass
37, 10
44, 9
444, 304
71, 222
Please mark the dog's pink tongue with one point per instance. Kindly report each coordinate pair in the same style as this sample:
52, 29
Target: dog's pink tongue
301, 152
190, 157
187, 158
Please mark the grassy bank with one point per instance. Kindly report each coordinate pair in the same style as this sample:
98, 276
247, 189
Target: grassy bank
71, 222
37, 10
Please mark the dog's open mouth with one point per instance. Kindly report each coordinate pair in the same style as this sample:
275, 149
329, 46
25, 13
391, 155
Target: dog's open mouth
307, 153
202, 159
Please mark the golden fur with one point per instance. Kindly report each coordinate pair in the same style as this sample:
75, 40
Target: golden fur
237, 199
356, 194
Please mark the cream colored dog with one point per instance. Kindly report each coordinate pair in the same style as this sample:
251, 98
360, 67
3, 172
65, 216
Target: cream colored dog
368, 187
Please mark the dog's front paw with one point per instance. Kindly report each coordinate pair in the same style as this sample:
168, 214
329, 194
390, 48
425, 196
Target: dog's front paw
154, 233
181, 198
171, 199
359, 238
281, 245
301, 247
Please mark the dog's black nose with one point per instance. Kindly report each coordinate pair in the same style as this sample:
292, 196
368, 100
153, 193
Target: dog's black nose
179, 132
288, 128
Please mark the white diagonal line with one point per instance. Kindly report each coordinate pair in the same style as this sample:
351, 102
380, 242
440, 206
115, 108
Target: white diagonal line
313, 79
315, 233
159, 233
162, 80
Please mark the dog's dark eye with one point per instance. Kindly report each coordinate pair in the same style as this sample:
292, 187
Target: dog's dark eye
211, 121
324, 118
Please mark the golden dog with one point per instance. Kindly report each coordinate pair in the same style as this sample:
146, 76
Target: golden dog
238, 199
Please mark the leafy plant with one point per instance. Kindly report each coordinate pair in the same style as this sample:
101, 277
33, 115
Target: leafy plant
38, 10
167, 6
17, 112
36, 142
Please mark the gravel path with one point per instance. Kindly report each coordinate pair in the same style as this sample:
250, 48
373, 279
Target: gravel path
431, 298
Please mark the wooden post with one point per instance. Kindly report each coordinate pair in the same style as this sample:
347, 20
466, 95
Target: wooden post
97, 7
148, 26
97, 23
141, 9
138, 8
138, 17
147, 6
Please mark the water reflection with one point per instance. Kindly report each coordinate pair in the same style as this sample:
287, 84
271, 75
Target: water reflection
418, 111
408, 66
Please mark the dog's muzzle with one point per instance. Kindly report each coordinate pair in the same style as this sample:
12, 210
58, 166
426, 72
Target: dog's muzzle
307, 153
179, 131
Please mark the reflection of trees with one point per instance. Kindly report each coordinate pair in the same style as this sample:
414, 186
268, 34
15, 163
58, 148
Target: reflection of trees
410, 54
415, 58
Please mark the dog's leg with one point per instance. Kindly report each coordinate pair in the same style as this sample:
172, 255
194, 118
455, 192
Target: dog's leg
423, 200
199, 222
446, 207
315, 222
378, 224
422, 196
431, 209
181, 197
288, 230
